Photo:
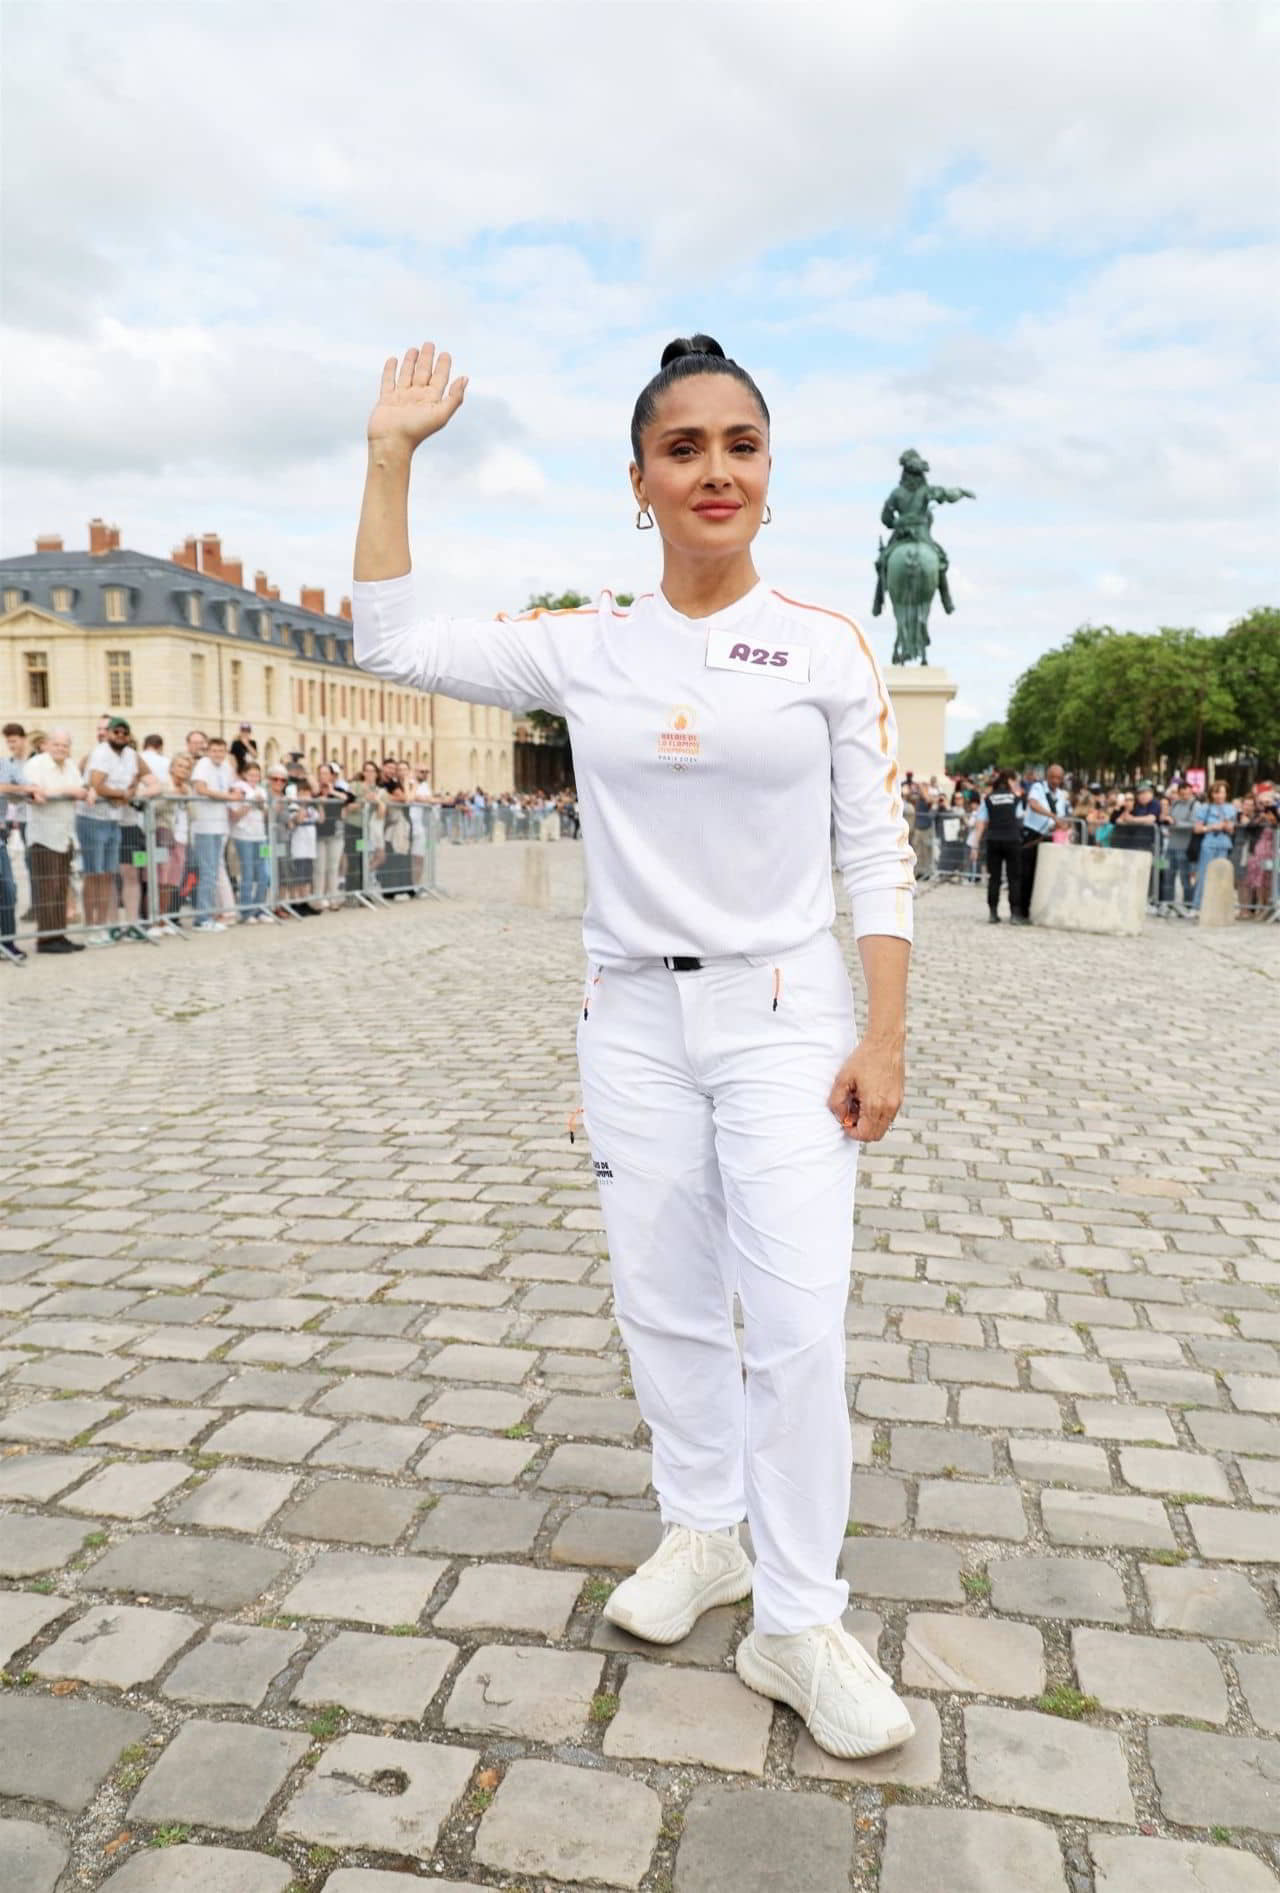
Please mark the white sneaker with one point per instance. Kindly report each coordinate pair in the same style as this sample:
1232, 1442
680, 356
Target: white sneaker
268, 920
845, 1699
155, 933
210, 926
691, 1571
101, 938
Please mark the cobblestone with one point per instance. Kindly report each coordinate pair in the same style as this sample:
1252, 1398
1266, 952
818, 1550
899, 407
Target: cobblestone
270, 1389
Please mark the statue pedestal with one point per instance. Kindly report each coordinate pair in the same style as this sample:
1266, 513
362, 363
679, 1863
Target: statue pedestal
920, 693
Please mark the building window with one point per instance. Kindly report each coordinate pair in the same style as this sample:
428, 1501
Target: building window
120, 680
237, 681
331, 649
299, 695
197, 681
193, 609
264, 626
117, 604
309, 643
232, 618
62, 598
37, 664
475, 724
12, 599
311, 697
343, 700
269, 690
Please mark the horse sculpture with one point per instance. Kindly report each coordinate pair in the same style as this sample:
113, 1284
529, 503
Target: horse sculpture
913, 566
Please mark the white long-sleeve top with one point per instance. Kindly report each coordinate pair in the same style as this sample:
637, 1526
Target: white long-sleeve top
711, 756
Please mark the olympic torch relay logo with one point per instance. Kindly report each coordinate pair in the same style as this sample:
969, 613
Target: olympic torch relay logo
678, 743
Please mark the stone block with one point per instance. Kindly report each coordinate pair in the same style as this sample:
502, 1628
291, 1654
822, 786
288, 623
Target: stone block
234, 1498
218, 1774
902, 1567
1154, 1676
590, 1417
707, 1644
976, 1511
236, 1663
486, 1407
364, 1588
30, 1545
1260, 1681
1019, 1758
285, 1439
59, 1750
1230, 1534
1216, 1780
23, 1615
117, 1646
389, 1678
1153, 1470
929, 1449
1011, 1412
57, 1422
974, 1654
458, 1361
204, 1570
41, 1476
570, 1824
1125, 1864
31, 1857
1106, 1518
1060, 1461
510, 1690
1204, 1603
963, 1851
475, 1527
1091, 890
471, 1460
1071, 1588
349, 1512
758, 1840
616, 1471
128, 1491
510, 1597
914, 1764
609, 1537
690, 1716
380, 1793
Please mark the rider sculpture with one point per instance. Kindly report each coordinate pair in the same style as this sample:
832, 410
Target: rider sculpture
912, 566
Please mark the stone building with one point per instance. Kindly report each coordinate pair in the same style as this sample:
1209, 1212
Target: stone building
182, 643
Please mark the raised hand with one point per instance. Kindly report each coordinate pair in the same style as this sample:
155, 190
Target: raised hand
418, 400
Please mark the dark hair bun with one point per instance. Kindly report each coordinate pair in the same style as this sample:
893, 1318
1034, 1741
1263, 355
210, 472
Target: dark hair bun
691, 345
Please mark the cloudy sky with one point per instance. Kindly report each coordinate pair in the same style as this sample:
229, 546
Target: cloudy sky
1035, 240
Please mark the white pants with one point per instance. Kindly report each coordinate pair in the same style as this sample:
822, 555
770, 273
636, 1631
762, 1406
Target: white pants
721, 1171
328, 865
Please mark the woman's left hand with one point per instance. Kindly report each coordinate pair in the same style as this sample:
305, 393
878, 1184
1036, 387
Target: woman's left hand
867, 1093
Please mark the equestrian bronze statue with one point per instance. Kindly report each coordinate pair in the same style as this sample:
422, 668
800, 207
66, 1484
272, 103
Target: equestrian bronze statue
912, 566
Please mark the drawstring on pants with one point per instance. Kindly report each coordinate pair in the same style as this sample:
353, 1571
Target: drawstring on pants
777, 986
574, 1122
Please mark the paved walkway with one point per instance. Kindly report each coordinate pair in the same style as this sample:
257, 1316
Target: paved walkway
318, 1456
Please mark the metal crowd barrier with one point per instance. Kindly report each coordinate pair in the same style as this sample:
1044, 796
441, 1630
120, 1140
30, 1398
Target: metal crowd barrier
180, 863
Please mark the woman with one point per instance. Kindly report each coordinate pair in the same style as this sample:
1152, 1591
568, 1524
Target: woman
1259, 873
249, 838
717, 728
329, 836
1215, 823
173, 835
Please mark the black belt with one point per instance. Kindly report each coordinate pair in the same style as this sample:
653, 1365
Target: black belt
682, 963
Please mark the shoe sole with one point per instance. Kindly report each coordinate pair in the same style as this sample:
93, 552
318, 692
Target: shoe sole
770, 1679
730, 1589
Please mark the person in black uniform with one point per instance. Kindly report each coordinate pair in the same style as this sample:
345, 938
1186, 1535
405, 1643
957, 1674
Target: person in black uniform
998, 821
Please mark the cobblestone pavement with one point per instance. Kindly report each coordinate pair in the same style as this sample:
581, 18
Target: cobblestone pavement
318, 1456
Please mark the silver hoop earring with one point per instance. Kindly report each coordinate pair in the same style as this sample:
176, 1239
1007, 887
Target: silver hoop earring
766, 518
645, 521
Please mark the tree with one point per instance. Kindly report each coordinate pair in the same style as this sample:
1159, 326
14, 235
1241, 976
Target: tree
1248, 669
985, 749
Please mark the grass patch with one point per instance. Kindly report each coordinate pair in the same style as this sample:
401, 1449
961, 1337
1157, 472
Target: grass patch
318, 1857
403, 1630
478, 1800
977, 1586
22, 1680
954, 1302
169, 1836
1166, 1557
880, 1450
1190, 1498
429, 1504
1063, 1700
133, 1766
596, 1591
327, 1723
604, 1707
94, 1539
44, 1585
521, 1430
853, 1529
1221, 1836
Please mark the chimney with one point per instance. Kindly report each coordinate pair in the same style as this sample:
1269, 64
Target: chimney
273, 591
344, 609
233, 571
49, 542
99, 538
260, 585
113, 538
186, 554
311, 598
211, 554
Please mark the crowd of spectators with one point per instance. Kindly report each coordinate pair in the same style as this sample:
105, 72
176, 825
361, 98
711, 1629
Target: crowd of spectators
1000, 820
126, 841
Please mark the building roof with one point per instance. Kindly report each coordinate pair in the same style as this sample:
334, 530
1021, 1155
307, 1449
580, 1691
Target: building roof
157, 592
